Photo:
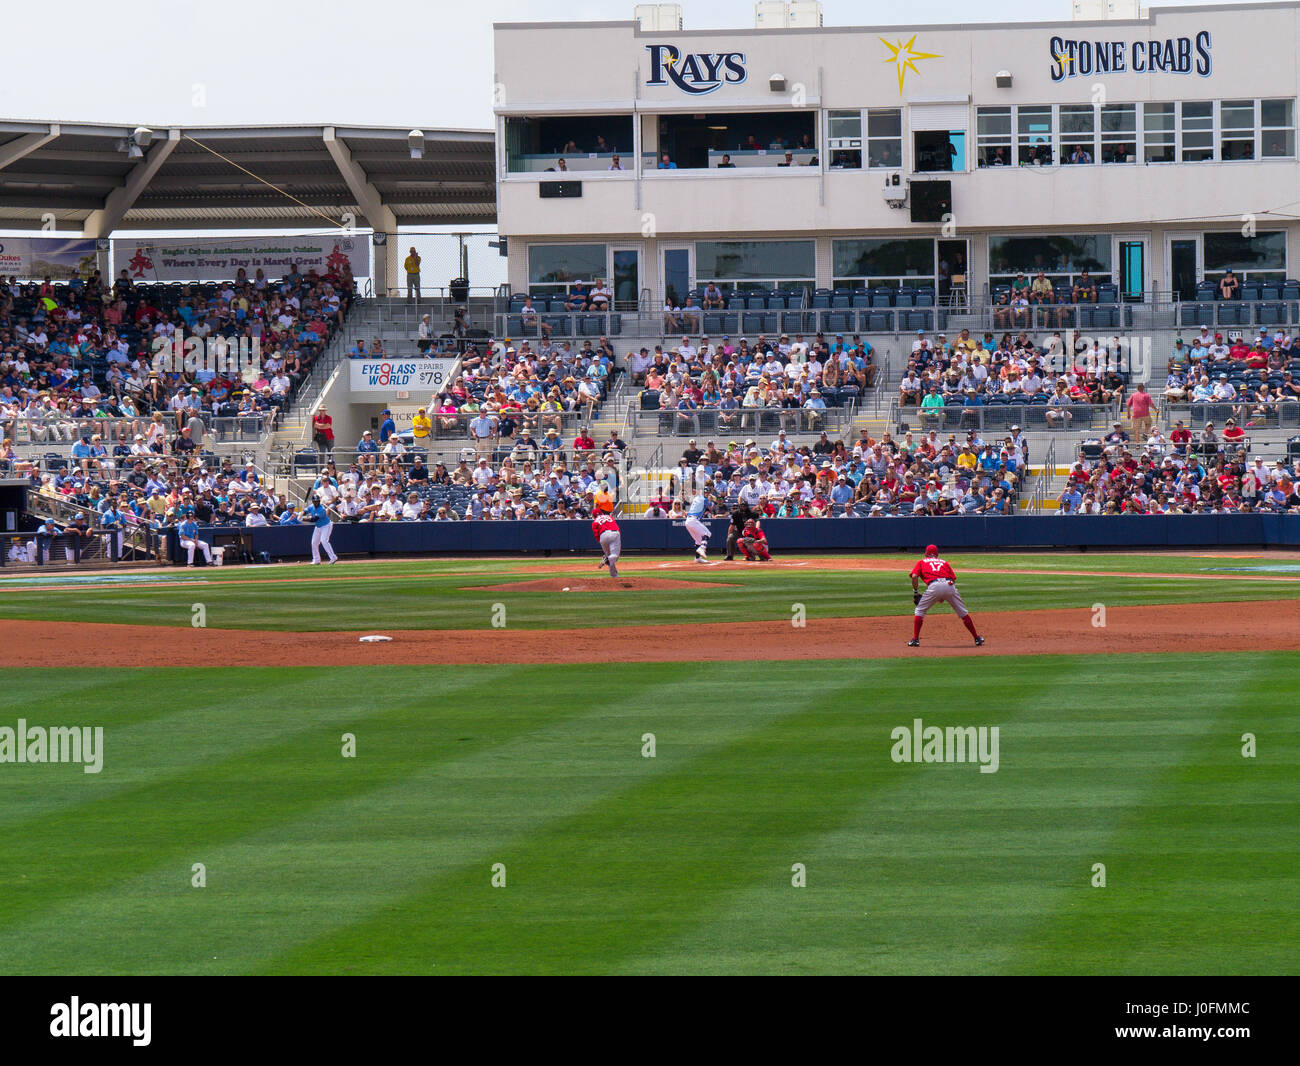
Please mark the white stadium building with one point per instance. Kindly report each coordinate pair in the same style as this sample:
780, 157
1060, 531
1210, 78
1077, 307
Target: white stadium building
881, 172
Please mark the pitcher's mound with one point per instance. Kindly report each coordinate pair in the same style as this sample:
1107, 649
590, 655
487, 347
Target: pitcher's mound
596, 584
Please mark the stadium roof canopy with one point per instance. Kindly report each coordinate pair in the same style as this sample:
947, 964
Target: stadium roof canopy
99, 178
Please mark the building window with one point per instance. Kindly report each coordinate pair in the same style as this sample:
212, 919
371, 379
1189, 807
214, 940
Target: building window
885, 138
1119, 133
892, 262
731, 139
1078, 133
569, 143
1061, 258
1277, 133
844, 139
1197, 132
756, 264
1034, 136
554, 268
1158, 133
993, 136
1237, 129
1261, 258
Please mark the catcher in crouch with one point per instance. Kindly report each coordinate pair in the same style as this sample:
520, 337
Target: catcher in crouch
753, 541
940, 584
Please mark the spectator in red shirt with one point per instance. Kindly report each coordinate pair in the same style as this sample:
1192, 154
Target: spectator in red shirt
1232, 431
1139, 411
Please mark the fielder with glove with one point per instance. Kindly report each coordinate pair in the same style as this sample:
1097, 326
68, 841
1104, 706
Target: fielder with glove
940, 584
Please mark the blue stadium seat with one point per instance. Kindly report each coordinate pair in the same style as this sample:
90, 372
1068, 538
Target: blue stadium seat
793, 322
906, 297
1270, 313
713, 323
1250, 292
755, 301
881, 321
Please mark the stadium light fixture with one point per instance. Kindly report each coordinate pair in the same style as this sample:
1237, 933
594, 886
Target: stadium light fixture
1002, 79
776, 83
415, 142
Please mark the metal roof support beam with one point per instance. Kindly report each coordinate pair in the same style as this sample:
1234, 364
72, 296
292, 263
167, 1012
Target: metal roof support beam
21, 146
101, 223
377, 213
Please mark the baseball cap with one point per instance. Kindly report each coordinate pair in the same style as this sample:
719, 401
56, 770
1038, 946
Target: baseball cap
931, 549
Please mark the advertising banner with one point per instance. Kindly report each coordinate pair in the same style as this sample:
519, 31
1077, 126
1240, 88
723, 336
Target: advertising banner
35, 258
420, 377
181, 259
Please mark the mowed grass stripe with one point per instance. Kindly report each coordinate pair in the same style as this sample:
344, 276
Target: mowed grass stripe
1202, 876
448, 602
606, 890
246, 784
285, 883
872, 878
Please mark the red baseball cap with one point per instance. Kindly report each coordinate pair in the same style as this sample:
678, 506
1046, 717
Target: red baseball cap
930, 549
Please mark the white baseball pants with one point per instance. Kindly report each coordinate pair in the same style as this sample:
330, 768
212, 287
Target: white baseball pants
320, 536
190, 543
698, 530
941, 590
611, 543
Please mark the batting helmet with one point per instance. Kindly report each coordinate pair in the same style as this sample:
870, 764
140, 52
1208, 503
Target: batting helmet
931, 549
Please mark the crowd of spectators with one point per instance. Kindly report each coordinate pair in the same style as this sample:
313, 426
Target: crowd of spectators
968, 373
800, 377
1180, 475
504, 391
920, 474
79, 362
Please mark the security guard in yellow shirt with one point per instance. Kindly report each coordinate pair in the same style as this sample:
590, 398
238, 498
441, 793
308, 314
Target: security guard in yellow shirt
412, 268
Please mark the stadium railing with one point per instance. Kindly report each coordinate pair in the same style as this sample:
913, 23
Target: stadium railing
999, 416
705, 421
1281, 415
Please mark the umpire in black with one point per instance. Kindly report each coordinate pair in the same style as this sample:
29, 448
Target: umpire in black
742, 514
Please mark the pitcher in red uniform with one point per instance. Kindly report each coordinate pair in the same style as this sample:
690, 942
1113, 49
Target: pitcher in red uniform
605, 530
940, 584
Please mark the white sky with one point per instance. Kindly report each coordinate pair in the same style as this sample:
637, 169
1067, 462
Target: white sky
381, 62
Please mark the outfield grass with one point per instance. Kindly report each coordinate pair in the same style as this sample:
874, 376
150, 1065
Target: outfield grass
441, 595
680, 863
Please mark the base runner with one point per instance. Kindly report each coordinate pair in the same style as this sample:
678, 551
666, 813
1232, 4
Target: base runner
696, 528
606, 532
319, 517
940, 585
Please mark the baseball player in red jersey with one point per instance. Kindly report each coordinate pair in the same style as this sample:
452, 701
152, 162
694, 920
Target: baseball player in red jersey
940, 584
753, 541
605, 530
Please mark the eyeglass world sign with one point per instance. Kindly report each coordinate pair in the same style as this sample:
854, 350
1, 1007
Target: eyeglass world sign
1173, 55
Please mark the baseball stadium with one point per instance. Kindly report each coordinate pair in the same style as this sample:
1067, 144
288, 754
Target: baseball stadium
851, 527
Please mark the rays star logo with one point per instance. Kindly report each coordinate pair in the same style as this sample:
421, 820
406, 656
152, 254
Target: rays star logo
904, 57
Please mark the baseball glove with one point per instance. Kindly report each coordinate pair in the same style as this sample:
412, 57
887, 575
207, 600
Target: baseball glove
916, 597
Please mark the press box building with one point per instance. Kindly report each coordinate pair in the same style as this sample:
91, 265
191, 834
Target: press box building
1155, 153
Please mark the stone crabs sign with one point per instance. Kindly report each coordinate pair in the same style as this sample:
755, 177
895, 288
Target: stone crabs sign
697, 73
1172, 55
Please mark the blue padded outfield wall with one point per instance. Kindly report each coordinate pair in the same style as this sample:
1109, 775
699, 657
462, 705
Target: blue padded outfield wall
790, 534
